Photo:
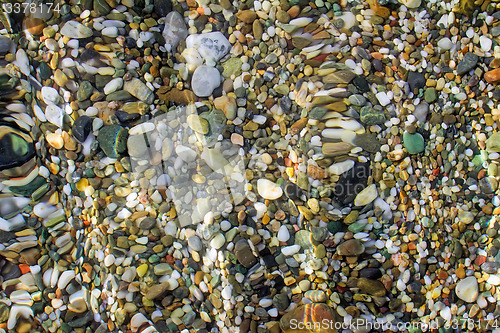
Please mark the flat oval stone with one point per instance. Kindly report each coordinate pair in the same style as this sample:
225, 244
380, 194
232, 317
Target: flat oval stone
74, 29
351, 248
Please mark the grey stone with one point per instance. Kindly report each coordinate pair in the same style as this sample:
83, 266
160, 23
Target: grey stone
468, 62
175, 29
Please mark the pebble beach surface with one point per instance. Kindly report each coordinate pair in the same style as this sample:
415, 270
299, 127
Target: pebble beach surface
259, 166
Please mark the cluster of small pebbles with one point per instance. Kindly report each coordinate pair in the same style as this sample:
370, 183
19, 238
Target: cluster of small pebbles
229, 166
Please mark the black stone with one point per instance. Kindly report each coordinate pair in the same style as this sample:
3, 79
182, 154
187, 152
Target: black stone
370, 273
82, 127
125, 117
130, 42
269, 261
415, 287
181, 292
416, 80
82, 321
162, 7
147, 224
91, 57
263, 291
361, 84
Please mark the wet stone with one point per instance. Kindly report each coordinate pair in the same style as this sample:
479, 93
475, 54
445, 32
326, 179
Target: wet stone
147, 223
244, 254
368, 142
414, 143
416, 80
113, 140
372, 116
81, 128
84, 91
468, 62
351, 247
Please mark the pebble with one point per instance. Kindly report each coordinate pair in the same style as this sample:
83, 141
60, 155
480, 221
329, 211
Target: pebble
467, 289
73, 29
205, 80
269, 190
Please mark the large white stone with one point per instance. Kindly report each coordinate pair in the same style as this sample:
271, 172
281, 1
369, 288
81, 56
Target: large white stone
366, 196
73, 29
211, 46
50, 95
54, 115
467, 289
205, 80
113, 85
268, 189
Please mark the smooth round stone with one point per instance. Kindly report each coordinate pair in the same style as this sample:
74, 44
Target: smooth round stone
467, 289
113, 85
290, 250
268, 189
162, 269
74, 29
218, 241
413, 142
205, 80
316, 296
416, 80
195, 243
50, 95
421, 111
493, 143
110, 32
147, 223
211, 46
383, 99
371, 287
485, 43
113, 140
445, 44
175, 29
430, 95
351, 248
490, 267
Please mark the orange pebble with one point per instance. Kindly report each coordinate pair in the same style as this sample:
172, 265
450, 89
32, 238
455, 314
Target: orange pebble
24, 268
200, 10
